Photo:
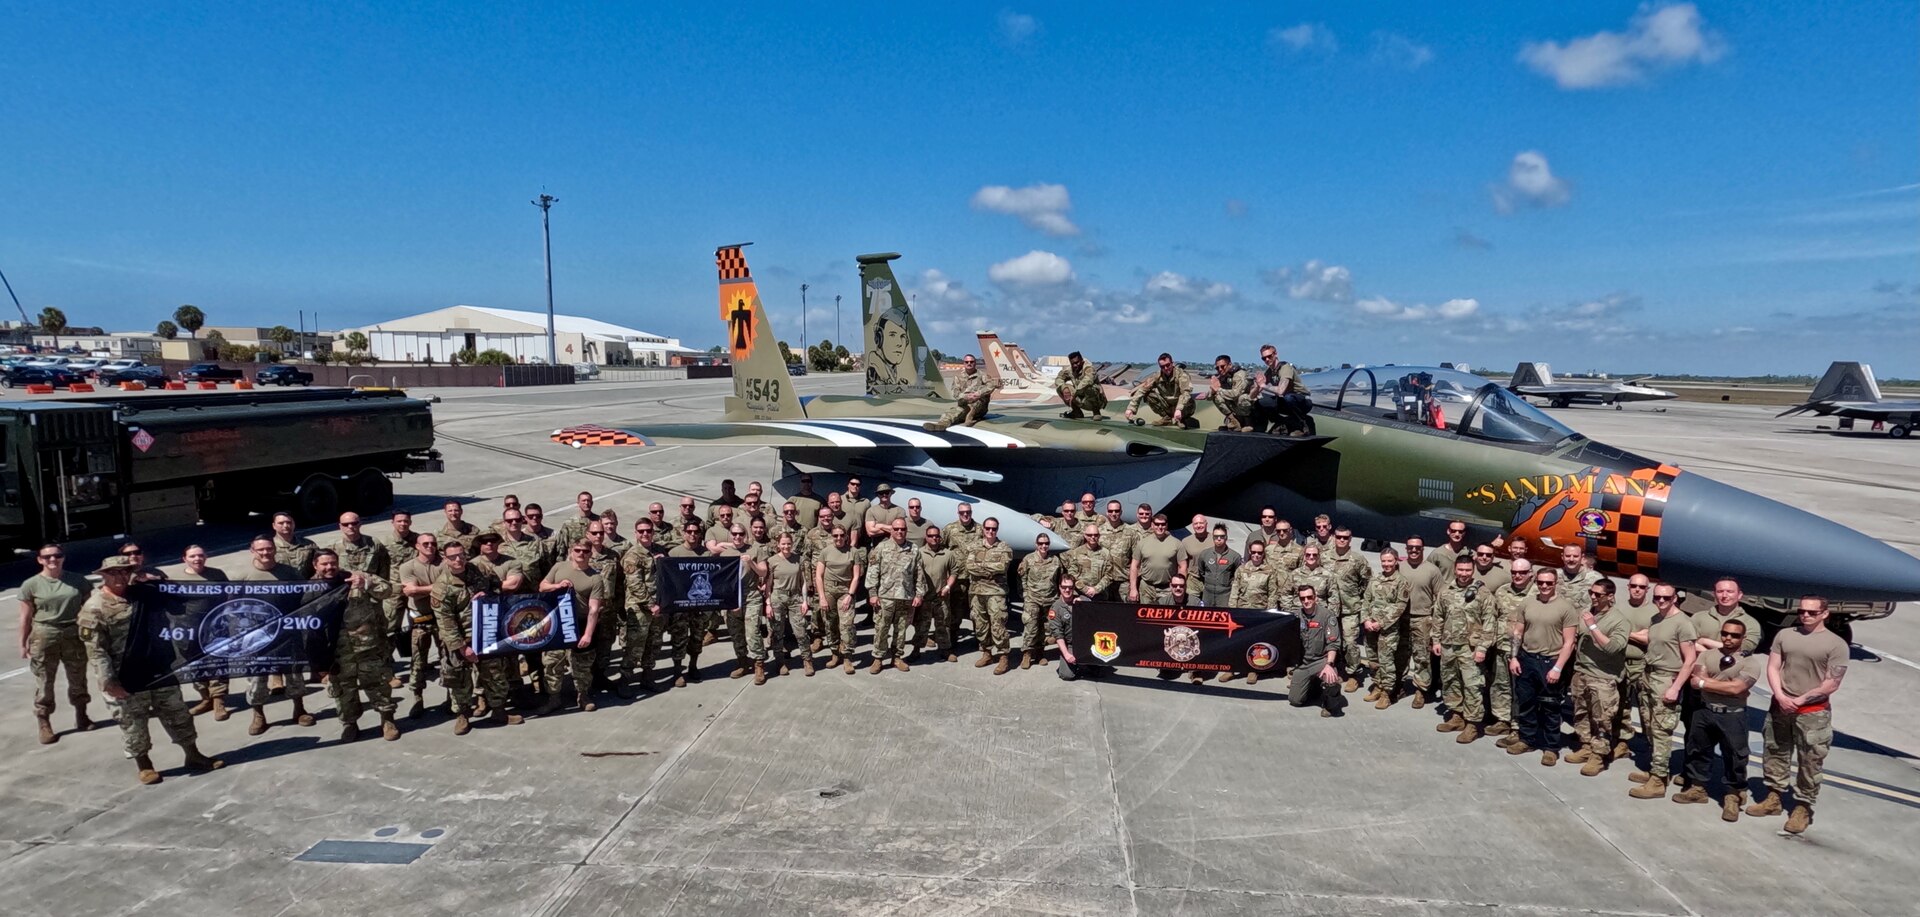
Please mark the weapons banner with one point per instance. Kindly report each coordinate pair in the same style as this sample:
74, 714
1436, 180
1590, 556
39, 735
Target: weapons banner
504, 624
698, 584
1187, 639
186, 632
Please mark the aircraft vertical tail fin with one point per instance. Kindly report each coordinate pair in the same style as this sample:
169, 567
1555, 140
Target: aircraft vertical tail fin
1531, 374
762, 390
897, 359
1024, 364
1847, 382
995, 359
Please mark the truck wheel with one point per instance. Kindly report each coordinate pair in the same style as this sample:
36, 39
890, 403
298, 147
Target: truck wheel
372, 491
1899, 431
318, 499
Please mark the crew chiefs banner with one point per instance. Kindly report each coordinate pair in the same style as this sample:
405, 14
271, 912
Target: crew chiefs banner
188, 632
505, 624
698, 584
1187, 639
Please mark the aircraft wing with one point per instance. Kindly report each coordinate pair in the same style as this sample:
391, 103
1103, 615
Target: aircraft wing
869, 433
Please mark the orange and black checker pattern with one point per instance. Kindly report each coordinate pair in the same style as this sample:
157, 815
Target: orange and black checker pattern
595, 435
1631, 542
733, 264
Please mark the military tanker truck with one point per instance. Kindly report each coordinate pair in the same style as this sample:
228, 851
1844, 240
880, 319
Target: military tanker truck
121, 463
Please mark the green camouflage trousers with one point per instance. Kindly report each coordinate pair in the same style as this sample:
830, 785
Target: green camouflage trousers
1353, 640
836, 625
1033, 632
163, 704
889, 617
965, 412
640, 640
1596, 705
258, 693
1499, 684
457, 675
946, 621
49, 650
684, 631
420, 642
1460, 678
990, 623
555, 663
787, 614
1802, 736
744, 643
1630, 682
1420, 650
1660, 719
1388, 668
363, 671
1239, 407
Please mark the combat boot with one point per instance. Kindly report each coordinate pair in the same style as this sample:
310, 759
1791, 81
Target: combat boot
1253, 678
1499, 729
1372, 695
806, 666
847, 665
679, 678
875, 668
1419, 698
350, 732
1593, 767
148, 776
500, 717
901, 665
81, 720
707, 638
46, 730
1580, 756
759, 673
1693, 795
1468, 734
1453, 723
1506, 741
1225, 677
1384, 701
389, 730
741, 667
586, 703
1654, 788
1549, 758
1002, 668
1027, 660
933, 426
205, 704
1639, 776
300, 714
1800, 818
220, 711
1519, 747
1620, 750
200, 762
1770, 805
419, 708
833, 658
693, 667
461, 726
548, 708
259, 723
986, 659
1730, 805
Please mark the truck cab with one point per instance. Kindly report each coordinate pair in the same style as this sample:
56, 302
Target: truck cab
60, 471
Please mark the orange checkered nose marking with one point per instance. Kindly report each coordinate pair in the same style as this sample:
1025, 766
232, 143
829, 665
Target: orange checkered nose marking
596, 435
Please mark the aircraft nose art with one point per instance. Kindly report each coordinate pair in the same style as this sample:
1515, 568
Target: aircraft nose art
1710, 529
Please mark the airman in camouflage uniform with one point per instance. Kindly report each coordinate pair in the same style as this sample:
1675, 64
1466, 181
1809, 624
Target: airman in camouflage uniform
452, 599
1080, 391
293, 550
1231, 390
930, 603
1117, 536
685, 628
1351, 572
1039, 586
1466, 626
835, 571
457, 529
1383, 607
987, 566
1092, 568
360, 553
892, 578
1168, 393
1315, 572
399, 547
640, 620
960, 535
605, 559
787, 601
1255, 585
363, 659
575, 528
972, 392
105, 621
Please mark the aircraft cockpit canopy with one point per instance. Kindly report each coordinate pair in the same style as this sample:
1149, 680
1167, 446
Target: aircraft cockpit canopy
1440, 399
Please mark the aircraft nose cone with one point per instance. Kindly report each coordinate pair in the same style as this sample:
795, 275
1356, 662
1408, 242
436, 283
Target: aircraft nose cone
1710, 530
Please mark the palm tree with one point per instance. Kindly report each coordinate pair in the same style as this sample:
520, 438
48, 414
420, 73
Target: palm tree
280, 334
355, 341
53, 321
190, 318
167, 330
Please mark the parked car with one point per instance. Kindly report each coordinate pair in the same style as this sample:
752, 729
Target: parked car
586, 371
210, 372
796, 369
151, 375
85, 366
56, 376
279, 374
122, 363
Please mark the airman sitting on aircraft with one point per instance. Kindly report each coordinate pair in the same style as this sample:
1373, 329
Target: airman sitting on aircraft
1168, 393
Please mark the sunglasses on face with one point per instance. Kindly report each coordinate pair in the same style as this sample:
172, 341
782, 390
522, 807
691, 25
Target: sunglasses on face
1732, 634
1668, 598
53, 556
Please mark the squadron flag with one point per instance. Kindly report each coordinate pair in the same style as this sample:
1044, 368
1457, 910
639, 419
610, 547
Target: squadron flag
187, 632
698, 584
504, 624
1187, 639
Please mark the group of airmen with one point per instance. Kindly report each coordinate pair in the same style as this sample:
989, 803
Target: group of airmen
1497, 646
1272, 398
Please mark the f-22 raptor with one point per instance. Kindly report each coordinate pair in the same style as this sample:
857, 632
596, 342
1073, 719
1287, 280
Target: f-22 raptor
1400, 451
1535, 380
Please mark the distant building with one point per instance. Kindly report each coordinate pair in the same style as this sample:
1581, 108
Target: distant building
139, 345
522, 335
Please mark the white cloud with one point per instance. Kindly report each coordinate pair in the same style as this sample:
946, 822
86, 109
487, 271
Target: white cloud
1307, 36
1601, 315
1035, 268
1530, 183
1168, 286
1454, 309
940, 288
1315, 280
1396, 50
1450, 311
1041, 206
1657, 37
1017, 28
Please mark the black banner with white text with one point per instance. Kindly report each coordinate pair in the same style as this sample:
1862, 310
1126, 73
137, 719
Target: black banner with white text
188, 632
1185, 639
698, 584
506, 624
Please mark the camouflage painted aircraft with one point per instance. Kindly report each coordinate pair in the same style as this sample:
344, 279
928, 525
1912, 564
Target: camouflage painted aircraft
1535, 380
1384, 463
1848, 390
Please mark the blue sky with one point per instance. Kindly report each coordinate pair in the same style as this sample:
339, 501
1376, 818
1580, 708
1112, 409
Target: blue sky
1709, 187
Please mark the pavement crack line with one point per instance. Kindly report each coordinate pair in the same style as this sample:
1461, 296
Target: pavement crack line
1119, 812
1575, 811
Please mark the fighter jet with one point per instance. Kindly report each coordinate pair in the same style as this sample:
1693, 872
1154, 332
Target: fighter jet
1849, 391
1400, 451
1535, 380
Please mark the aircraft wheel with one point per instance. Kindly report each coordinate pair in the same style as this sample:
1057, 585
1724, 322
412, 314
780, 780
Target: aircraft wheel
1899, 431
1561, 403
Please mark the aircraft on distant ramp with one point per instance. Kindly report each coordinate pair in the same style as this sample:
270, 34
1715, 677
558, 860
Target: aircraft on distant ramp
1535, 380
1848, 391
1401, 451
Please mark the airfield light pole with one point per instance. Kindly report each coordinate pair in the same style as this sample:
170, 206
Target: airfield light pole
803, 315
836, 320
545, 201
